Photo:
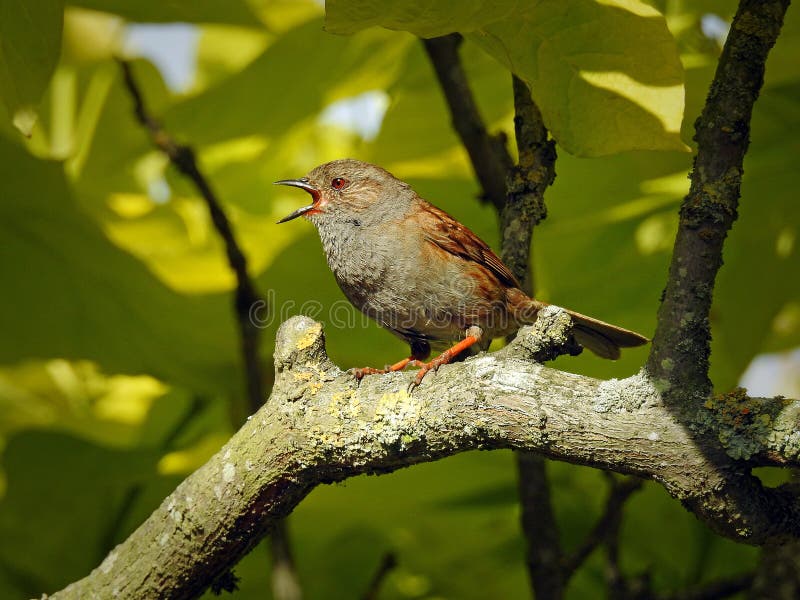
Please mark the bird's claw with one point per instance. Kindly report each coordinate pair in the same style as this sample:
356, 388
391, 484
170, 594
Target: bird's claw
425, 368
360, 372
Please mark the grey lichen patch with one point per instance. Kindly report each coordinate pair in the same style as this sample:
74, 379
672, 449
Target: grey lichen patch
549, 337
536, 429
626, 395
501, 375
785, 436
741, 423
228, 472
174, 512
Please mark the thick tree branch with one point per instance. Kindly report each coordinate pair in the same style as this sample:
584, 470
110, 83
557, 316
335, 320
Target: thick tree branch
487, 153
321, 426
681, 345
286, 585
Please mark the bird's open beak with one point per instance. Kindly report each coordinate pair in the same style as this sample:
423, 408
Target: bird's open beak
304, 184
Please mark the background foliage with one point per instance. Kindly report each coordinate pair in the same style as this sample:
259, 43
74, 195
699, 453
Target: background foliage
119, 371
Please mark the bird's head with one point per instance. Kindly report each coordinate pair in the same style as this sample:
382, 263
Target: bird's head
350, 191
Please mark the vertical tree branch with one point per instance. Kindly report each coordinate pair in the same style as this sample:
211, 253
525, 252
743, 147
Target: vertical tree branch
524, 207
487, 153
517, 192
778, 573
245, 298
285, 582
522, 210
544, 555
681, 346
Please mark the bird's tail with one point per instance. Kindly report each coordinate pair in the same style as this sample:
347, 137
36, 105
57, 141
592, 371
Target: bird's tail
604, 339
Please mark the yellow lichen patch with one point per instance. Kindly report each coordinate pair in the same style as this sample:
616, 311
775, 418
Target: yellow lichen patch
389, 402
345, 406
309, 337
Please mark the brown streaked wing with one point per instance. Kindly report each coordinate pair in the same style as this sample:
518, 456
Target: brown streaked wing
448, 234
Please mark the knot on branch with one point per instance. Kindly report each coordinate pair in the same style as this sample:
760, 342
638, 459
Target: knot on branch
548, 338
300, 341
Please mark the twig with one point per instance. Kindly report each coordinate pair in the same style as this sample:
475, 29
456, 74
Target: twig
285, 582
387, 564
245, 298
607, 526
133, 493
543, 545
488, 155
681, 345
716, 590
182, 157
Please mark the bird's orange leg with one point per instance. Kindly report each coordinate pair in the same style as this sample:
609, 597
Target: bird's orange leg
448, 355
398, 366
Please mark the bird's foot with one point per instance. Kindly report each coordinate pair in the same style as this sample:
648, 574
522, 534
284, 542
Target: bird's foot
424, 368
444, 358
360, 373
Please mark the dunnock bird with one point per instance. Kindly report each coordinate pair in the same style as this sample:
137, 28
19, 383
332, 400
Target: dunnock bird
420, 273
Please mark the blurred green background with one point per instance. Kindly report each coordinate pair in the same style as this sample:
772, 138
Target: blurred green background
119, 371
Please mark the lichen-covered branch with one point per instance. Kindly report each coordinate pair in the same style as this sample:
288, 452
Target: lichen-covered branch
681, 345
321, 426
534, 172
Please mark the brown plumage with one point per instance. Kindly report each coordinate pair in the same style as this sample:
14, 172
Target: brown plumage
419, 272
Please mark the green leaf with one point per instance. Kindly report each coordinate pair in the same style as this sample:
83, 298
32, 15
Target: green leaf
420, 17
606, 75
64, 496
76, 295
30, 44
232, 12
282, 87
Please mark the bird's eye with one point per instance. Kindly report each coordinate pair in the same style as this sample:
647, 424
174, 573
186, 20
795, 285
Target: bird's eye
338, 183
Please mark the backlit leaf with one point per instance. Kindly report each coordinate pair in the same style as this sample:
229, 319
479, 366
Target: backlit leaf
30, 43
